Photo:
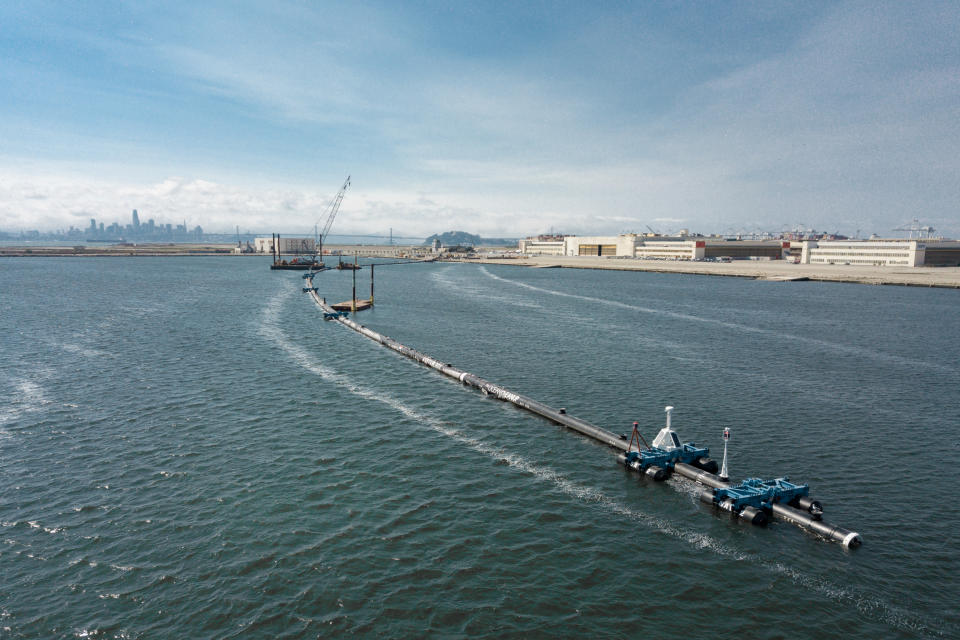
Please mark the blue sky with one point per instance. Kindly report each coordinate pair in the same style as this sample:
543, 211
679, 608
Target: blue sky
509, 118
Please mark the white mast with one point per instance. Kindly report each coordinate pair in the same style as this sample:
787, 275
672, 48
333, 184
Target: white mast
723, 467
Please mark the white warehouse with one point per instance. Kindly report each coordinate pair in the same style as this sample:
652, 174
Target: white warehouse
536, 246
884, 253
627, 245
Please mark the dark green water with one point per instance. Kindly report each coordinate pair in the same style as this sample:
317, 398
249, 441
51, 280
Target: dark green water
188, 451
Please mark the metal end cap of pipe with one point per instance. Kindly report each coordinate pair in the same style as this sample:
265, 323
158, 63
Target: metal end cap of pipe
707, 464
657, 473
852, 540
754, 516
811, 506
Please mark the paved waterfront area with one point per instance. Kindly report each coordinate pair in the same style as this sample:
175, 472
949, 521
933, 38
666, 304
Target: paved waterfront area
120, 249
763, 269
773, 269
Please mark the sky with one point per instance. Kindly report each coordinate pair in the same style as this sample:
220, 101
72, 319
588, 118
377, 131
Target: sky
504, 119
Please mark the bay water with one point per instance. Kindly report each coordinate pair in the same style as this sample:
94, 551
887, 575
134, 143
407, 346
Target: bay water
187, 450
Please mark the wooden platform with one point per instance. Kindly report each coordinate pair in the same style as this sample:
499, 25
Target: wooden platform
348, 306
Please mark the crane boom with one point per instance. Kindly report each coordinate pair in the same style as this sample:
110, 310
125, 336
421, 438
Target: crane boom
332, 208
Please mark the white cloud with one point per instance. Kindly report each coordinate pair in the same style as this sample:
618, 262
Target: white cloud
852, 125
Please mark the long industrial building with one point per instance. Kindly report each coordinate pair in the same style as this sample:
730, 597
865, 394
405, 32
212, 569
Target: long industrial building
882, 253
874, 252
652, 247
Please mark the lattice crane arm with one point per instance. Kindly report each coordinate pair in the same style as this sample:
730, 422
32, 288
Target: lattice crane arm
332, 208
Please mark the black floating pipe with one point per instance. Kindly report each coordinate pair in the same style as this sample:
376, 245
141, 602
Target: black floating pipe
848, 538
811, 506
653, 471
749, 514
706, 464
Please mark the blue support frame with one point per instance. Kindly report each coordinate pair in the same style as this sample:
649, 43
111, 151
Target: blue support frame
666, 459
761, 494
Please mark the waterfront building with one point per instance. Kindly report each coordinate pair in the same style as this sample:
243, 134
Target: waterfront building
942, 253
719, 248
932, 252
626, 245
876, 253
598, 246
535, 246
287, 245
670, 249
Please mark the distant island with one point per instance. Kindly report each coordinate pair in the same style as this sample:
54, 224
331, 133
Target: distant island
464, 239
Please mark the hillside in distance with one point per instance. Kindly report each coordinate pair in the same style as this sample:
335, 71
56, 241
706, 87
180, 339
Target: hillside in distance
464, 239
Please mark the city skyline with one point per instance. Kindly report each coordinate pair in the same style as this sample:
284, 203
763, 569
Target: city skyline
504, 120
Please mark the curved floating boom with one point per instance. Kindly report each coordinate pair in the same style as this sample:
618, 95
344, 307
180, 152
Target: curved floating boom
751, 500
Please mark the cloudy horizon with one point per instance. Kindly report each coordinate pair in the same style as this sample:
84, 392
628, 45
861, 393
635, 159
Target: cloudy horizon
500, 119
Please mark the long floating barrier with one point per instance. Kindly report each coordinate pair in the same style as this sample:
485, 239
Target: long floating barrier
750, 500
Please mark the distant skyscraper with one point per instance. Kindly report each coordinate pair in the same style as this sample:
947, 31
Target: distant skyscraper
136, 220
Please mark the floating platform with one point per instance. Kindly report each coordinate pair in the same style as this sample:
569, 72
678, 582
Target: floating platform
348, 306
297, 266
752, 499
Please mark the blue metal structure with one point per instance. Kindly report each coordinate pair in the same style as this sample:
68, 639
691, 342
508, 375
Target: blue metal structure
778, 498
688, 453
760, 494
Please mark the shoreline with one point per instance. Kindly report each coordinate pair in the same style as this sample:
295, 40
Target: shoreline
112, 251
769, 270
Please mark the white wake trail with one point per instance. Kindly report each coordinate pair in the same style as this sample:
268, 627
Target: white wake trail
893, 616
823, 344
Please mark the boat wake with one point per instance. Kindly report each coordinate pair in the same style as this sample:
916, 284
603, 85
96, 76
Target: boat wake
822, 344
471, 290
271, 330
23, 397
